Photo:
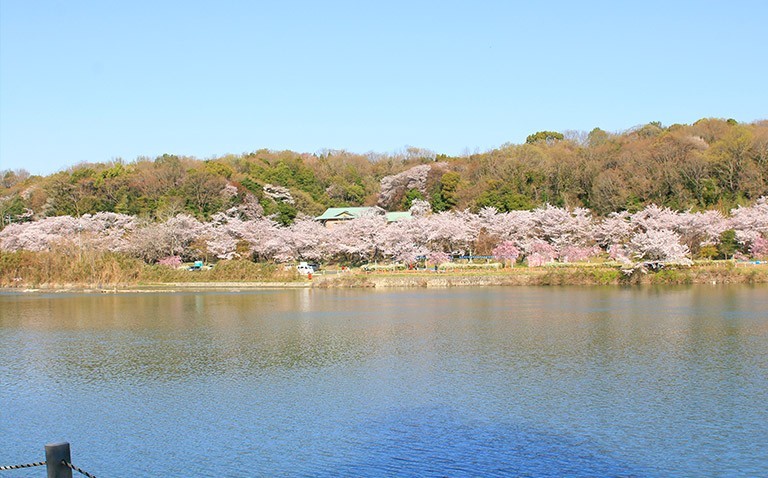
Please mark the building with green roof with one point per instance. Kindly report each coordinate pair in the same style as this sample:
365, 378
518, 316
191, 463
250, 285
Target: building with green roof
333, 215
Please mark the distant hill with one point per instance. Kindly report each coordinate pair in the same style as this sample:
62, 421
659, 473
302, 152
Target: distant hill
710, 164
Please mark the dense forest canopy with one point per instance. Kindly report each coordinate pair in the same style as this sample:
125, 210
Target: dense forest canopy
710, 164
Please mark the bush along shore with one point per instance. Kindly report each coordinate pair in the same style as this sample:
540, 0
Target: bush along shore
109, 271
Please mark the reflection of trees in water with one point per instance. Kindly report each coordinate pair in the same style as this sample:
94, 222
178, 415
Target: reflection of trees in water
204, 354
560, 381
173, 336
175, 358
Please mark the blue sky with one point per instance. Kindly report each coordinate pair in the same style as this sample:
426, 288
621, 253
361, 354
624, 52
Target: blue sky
93, 81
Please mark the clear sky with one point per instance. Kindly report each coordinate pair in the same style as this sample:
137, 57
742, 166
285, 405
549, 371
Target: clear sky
97, 80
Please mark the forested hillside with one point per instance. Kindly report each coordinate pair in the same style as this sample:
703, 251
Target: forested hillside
711, 164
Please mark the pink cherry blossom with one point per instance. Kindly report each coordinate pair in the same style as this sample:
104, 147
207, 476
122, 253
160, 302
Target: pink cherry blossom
506, 251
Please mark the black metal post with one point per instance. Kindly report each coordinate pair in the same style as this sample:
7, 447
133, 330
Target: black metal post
54, 454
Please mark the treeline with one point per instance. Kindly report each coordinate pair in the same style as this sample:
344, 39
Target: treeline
711, 164
541, 236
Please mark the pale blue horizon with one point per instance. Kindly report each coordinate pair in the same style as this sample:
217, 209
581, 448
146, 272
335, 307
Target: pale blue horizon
92, 81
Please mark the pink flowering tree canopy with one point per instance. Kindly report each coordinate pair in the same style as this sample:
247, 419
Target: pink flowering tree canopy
540, 236
659, 245
506, 251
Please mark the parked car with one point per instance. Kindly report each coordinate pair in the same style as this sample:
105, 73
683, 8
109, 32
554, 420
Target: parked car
199, 266
305, 268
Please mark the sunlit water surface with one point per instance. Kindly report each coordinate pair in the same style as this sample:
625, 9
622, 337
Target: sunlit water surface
583, 382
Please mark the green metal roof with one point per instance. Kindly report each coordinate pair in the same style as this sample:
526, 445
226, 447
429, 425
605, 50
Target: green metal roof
340, 213
398, 215
344, 213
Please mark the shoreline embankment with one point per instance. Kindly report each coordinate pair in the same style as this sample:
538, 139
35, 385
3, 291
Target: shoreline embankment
718, 272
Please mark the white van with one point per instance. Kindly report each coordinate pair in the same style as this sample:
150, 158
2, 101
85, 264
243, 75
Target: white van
305, 268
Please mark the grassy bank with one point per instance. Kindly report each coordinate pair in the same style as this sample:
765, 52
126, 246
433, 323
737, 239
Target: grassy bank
91, 269
719, 272
107, 270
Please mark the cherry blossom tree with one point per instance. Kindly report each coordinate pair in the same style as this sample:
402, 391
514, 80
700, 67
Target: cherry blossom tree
543, 235
437, 257
172, 262
659, 245
395, 186
619, 253
420, 208
577, 253
107, 231
360, 239
700, 228
451, 231
516, 226
104, 231
750, 223
170, 238
402, 241
40, 235
257, 233
653, 217
507, 252
305, 239
409, 253
708, 224
561, 227
539, 252
759, 247
222, 239
614, 229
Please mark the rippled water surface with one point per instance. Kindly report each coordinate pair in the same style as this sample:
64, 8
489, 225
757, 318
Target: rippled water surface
457, 382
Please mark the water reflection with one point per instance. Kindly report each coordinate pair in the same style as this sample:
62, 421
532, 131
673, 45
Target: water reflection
612, 382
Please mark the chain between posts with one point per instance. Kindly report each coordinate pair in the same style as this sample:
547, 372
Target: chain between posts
26, 465
73, 467
56, 458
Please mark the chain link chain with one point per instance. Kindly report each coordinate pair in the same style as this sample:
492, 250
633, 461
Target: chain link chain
73, 467
26, 465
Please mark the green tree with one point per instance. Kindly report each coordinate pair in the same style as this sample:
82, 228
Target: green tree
410, 196
286, 213
10, 209
544, 136
219, 169
445, 195
503, 198
728, 244
596, 137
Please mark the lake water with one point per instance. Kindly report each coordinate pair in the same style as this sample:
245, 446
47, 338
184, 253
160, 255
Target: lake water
582, 382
